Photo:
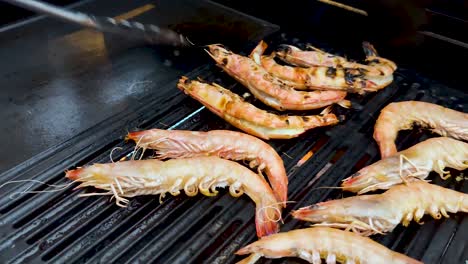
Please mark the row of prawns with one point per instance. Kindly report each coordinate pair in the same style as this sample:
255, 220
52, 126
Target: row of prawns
317, 79
195, 162
408, 197
201, 162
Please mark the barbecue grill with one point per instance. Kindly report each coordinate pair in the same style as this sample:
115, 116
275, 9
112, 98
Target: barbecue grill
59, 227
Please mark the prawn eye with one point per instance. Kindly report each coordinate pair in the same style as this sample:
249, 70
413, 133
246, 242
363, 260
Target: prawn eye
225, 61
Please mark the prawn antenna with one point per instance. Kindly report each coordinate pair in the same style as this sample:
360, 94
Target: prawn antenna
112, 151
278, 211
327, 187
57, 188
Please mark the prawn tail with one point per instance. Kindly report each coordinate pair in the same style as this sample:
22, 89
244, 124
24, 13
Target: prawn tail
250, 259
369, 49
345, 104
258, 51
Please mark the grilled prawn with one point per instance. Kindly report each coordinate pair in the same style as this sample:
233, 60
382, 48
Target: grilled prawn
204, 174
222, 143
402, 115
232, 108
321, 77
381, 213
316, 243
266, 87
376, 65
310, 58
417, 161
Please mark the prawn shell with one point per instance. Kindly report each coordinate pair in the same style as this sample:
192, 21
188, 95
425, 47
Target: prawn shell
152, 177
221, 143
416, 162
381, 213
232, 108
403, 115
315, 243
267, 88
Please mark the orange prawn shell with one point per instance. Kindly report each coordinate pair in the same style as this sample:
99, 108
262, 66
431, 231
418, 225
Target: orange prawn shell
400, 204
148, 177
247, 117
266, 87
344, 245
222, 143
433, 154
403, 115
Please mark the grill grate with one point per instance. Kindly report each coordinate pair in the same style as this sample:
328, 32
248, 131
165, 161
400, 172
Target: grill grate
59, 227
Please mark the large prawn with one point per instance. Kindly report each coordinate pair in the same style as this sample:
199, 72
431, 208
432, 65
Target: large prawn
316, 243
381, 213
232, 108
222, 143
151, 177
310, 58
402, 115
266, 87
418, 161
376, 65
348, 79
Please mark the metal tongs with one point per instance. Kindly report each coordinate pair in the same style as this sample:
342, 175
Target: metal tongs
150, 33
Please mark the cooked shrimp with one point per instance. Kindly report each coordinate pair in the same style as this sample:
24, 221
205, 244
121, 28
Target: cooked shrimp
310, 58
402, 115
232, 108
381, 213
321, 77
316, 243
376, 66
222, 143
151, 177
417, 161
266, 87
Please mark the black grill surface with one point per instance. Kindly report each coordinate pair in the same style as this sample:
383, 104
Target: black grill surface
59, 227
